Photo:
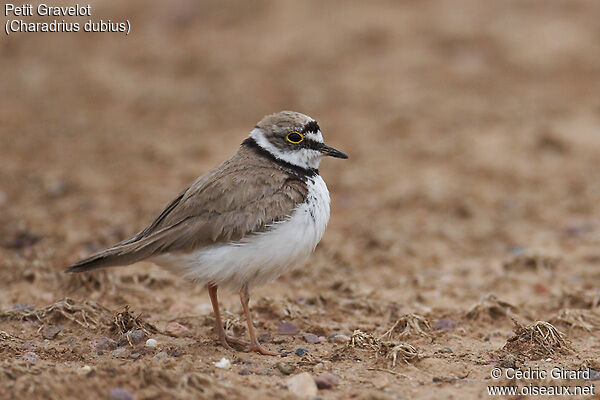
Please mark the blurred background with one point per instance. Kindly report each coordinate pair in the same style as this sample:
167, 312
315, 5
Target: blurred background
472, 129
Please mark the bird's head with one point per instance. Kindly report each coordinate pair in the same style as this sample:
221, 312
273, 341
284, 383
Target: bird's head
293, 137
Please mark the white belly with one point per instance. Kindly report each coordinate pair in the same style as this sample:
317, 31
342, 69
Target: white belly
261, 257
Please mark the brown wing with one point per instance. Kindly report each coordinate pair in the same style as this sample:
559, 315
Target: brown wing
245, 194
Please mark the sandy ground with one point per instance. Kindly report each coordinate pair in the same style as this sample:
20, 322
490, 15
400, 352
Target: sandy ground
470, 199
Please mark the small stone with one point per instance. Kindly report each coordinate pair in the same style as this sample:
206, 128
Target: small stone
121, 352
161, 356
594, 375
50, 332
311, 338
245, 371
285, 368
444, 324
30, 356
176, 329
86, 369
326, 381
136, 336
118, 393
302, 385
265, 338
287, 328
300, 351
224, 363
338, 338
103, 343
447, 350
139, 352
151, 343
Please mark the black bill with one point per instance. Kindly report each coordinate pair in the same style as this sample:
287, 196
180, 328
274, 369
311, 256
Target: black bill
330, 151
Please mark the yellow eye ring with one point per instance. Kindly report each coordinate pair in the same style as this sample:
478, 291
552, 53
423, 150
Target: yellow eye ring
294, 137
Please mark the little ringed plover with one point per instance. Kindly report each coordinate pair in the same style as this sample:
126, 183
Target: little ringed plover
243, 223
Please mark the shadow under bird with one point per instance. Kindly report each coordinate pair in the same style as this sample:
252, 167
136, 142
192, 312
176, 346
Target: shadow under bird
245, 222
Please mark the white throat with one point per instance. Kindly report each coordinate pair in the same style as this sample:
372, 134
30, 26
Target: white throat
304, 158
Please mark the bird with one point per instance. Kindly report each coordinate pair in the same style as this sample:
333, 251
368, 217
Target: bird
244, 223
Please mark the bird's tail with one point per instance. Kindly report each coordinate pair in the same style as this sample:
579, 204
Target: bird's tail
112, 257
127, 252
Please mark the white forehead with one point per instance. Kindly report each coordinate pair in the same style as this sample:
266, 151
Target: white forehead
316, 136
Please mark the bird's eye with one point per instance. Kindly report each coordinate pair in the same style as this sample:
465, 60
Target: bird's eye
294, 137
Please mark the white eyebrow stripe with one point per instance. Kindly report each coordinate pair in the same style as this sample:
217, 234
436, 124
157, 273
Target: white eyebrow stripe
317, 137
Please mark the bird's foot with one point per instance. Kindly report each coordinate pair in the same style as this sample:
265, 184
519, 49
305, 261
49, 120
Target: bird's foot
257, 348
228, 341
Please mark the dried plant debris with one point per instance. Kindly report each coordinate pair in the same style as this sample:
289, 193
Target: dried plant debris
492, 307
402, 351
233, 324
409, 325
531, 262
385, 350
537, 340
578, 319
88, 314
362, 340
588, 299
124, 321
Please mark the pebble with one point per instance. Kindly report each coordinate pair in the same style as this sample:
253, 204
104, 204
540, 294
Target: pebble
245, 371
223, 364
136, 336
162, 355
265, 338
338, 338
50, 332
151, 343
311, 338
594, 375
326, 381
30, 356
285, 368
120, 352
444, 324
302, 385
103, 343
118, 393
176, 329
86, 369
300, 351
287, 328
